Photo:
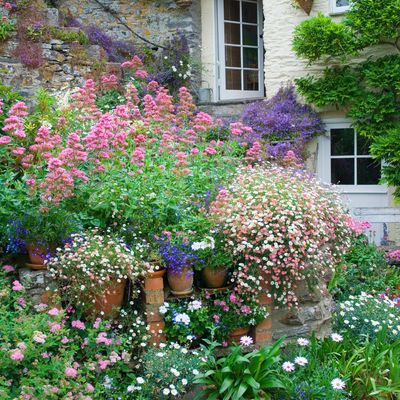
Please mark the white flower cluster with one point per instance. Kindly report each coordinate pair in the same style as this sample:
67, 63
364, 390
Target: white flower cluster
366, 314
207, 243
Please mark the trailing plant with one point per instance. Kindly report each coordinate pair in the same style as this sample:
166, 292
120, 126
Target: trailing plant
91, 263
282, 124
46, 32
368, 90
269, 215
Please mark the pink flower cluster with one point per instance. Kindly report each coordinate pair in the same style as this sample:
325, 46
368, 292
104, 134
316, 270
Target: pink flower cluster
356, 226
133, 135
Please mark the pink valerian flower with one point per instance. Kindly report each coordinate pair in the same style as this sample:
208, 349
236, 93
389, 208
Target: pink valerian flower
16, 355
90, 387
71, 372
5, 139
103, 364
210, 151
393, 255
1, 106
97, 323
78, 324
238, 129
102, 338
17, 287
141, 74
54, 312
135, 63
216, 318
39, 337
8, 268
21, 301
109, 81
54, 326
65, 340
45, 354
8, 6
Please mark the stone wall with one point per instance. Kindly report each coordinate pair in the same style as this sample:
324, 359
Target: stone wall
154, 20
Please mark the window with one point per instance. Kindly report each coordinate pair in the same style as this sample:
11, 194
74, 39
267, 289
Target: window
350, 161
240, 55
339, 6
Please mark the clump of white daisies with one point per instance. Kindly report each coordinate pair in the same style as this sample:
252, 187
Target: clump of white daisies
368, 314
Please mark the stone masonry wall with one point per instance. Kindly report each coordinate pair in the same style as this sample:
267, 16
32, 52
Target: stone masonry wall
67, 65
155, 20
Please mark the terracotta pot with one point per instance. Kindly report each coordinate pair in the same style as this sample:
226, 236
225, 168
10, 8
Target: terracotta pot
181, 283
214, 277
37, 254
306, 5
36, 267
110, 301
237, 333
156, 274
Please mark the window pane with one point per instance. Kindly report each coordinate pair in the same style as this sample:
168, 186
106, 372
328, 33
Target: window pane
233, 79
232, 33
250, 80
342, 142
250, 35
363, 145
342, 3
249, 12
342, 171
232, 56
232, 10
250, 57
368, 171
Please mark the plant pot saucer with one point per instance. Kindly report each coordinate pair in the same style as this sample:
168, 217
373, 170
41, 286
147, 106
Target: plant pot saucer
184, 293
36, 267
216, 290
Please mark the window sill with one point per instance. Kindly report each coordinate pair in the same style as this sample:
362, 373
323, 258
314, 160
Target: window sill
368, 189
233, 101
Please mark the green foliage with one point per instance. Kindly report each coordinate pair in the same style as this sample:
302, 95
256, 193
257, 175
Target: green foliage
109, 99
240, 376
320, 36
370, 369
170, 365
363, 269
6, 27
374, 20
370, 90
367, 315
52, 32
337, 86
9, 97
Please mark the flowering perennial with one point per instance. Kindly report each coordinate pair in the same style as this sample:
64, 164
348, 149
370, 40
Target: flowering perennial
283, 227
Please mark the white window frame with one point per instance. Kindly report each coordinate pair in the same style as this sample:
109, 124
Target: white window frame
338, 9
223, 93
324, 160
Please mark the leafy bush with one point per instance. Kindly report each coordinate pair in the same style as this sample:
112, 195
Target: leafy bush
48, 353
364, 269
369, 91
170, 371
238, 375
283, 227
342, 367
367, 315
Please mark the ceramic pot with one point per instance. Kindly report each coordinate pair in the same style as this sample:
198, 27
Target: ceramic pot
180, 283
214, 277
237, 333
110, 301
156, 274
306, 5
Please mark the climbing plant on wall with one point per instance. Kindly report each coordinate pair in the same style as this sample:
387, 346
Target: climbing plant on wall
368, 90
